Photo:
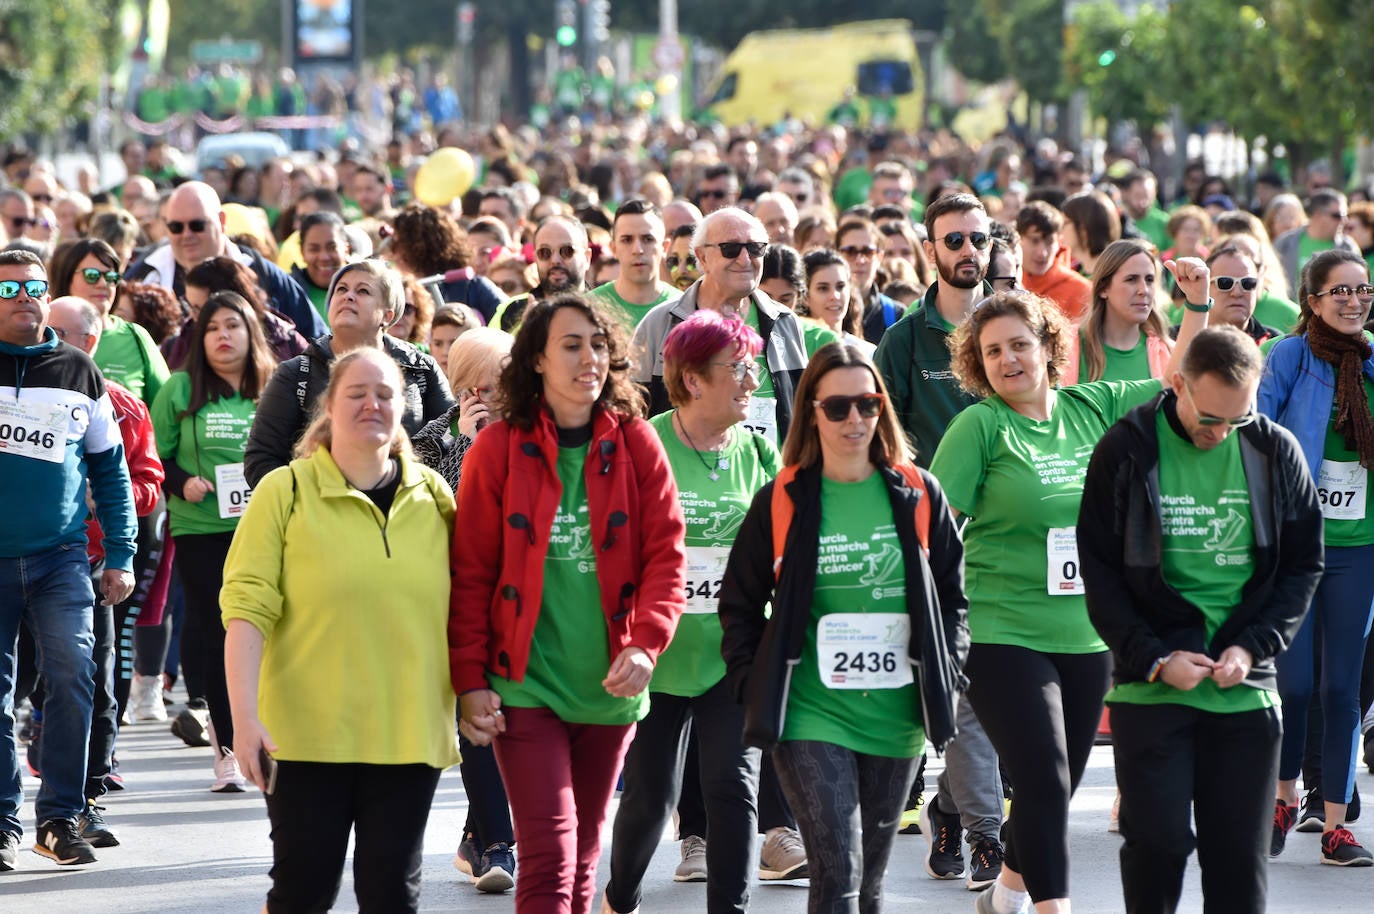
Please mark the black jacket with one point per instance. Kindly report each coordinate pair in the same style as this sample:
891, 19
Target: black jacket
761, 653
1120, 547
288, 401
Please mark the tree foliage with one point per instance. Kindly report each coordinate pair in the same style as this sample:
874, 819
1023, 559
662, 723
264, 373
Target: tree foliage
1119, 62
974, 49
1030, 37
50, 61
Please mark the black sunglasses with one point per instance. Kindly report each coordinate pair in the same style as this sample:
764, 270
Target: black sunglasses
567, 252
730, 249
955, 240
673, 261
1227, 283
716, 194
853, 250
195, 225
92, 275
836, 409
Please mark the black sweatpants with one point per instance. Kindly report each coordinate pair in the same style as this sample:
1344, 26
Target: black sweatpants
200, 565
1041, 713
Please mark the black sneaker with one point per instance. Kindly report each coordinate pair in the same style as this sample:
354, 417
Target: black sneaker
1313, 816
192, 723
946, 835
1369, 750
496, 872
59, 840
1352, 809
986, 856
1339, 848
9, 851
93, 827
1284, 817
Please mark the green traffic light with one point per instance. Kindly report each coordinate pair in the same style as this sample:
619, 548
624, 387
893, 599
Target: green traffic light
566, 36
1105, 58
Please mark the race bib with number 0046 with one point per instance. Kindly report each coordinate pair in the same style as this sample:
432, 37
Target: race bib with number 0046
232, 489
34, 430
1341, 489
1061, 552
864, 650
763, 417
705, 570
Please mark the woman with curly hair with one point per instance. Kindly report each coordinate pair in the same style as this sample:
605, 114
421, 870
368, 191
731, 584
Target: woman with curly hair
1014, 463
426, 241
417, 314
567, 586
152, 307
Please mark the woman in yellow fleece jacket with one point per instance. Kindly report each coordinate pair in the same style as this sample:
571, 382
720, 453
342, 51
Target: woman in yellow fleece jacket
335, 598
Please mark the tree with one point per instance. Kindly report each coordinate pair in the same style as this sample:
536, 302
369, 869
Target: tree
1119, 62
1030, 36
976, 52
51, 59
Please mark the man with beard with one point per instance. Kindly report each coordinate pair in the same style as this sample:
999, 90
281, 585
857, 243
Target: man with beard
562, 256
914, 361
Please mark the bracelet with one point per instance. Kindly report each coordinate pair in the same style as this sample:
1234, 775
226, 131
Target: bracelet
1200, 309
1158, 667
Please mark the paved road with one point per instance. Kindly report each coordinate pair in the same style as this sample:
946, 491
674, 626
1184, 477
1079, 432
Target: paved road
188, 850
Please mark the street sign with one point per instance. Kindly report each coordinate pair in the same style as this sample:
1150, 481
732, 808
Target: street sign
226, 50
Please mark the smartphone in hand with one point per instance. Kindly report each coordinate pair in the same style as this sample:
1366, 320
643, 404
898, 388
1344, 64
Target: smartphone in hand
269, 770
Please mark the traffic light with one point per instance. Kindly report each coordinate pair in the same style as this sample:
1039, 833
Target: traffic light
565, 22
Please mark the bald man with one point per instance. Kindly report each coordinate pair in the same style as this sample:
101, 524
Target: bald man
195, 227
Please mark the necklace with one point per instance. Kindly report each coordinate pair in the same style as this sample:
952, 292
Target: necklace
721, 462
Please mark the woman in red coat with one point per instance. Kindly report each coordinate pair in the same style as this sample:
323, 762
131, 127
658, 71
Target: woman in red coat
568, 567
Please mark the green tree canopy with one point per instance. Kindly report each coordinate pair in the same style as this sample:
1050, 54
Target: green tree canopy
51, 59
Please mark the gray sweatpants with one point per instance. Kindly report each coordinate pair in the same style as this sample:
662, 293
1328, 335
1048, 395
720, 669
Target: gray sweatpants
970, 783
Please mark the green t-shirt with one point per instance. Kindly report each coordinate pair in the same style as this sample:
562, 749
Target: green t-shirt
570, 652
815, 335
854, 685
127, 355
1276, 311
1020, 481
1120, 364
1308, 247
1343, 488
632, 313
852, 188
318, 297
1208, 556
1154, 225
208, 444
714, 510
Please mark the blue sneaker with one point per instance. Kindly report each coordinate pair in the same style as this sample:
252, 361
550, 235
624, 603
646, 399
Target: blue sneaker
496, 874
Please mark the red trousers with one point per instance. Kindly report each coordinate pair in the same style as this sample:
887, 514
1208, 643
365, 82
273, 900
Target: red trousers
560, 778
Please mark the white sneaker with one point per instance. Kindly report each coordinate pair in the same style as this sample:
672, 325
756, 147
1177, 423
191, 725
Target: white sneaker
145, 699
228, 778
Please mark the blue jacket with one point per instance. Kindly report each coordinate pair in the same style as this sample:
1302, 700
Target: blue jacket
1297, 390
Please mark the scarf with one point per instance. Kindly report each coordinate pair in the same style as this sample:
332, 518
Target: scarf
1347, 355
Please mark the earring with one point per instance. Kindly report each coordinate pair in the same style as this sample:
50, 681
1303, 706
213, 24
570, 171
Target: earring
697, 395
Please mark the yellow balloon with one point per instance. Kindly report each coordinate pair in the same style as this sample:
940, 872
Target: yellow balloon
445, 175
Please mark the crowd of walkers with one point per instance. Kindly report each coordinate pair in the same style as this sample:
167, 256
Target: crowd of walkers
731, 483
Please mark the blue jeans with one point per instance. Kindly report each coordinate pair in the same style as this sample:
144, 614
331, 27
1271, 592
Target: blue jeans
51, 594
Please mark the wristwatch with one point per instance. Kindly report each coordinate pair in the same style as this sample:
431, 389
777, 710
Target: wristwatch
1201, 309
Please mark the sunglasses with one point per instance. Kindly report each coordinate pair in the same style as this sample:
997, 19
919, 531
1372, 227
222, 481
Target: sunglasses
93, 276
1227, 283
836, 409
195, 225
713, 194
511, 287
1207, 421
851, 250
567, 252
1012, 282
955, 240
33, 288
41, 198
21, 221
1364, 290
730, 249
741, 370
675, 262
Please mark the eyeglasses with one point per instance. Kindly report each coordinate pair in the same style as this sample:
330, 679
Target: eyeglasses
1208, 421
566, 251
409, 310
675, 262
21, 222
836, 409
851, 250
41, 198
713, 194
741, 370
93, 276
1364, 291
893, 193
196, 225
955, 240
730, 249
33, 288
1227, 283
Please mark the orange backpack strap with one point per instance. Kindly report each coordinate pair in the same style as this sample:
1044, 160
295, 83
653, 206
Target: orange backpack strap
913, 479
782, 510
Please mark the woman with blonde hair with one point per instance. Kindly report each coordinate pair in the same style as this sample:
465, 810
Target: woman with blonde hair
858, 664
1125, 336
335, 647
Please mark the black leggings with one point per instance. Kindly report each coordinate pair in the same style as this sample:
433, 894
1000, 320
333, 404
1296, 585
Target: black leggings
200, 565
1041, 712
